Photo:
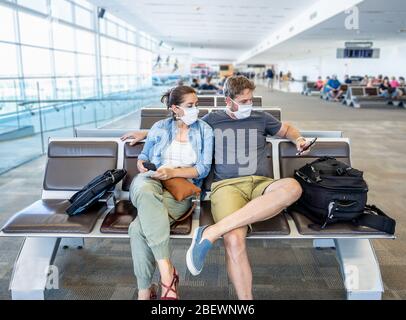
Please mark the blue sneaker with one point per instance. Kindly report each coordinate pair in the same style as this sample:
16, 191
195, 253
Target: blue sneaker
197, 252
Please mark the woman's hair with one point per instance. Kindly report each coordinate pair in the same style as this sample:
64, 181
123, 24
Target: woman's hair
175, 96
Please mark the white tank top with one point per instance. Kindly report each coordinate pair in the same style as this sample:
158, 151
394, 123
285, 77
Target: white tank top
179, 155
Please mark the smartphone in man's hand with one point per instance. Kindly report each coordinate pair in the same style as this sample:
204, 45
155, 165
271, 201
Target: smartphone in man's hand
307, 147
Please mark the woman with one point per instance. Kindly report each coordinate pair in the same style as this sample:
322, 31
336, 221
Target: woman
394, 83
319, 84
365, 81
371, 82
386, 90
181, 146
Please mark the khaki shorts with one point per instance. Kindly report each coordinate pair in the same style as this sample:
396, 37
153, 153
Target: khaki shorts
230, 195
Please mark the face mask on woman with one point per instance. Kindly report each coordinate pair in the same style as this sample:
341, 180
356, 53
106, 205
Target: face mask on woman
243, 112
190, 115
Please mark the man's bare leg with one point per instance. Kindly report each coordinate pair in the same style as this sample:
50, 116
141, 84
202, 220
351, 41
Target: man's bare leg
277, 197
237, 262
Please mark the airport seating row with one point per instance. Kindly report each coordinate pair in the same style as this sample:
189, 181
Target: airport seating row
343, 89
365, 97
151, 115
73, 162
219, 101
309, 88
207, 92
117, 133
359, 96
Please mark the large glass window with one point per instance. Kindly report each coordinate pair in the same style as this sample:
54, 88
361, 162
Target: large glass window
63, 37
62, 9
37, 5
6, 24
84, 17
54, 50
64, 63
85, 41
8, 60
86, 65
36, 62
38, 35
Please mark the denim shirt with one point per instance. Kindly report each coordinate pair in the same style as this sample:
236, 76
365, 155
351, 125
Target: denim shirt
161, 135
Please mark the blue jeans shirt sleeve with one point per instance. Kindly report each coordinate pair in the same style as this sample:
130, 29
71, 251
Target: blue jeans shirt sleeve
204, 164
150, 142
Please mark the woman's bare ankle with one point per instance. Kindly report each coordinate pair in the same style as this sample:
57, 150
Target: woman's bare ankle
209, 235
144, 294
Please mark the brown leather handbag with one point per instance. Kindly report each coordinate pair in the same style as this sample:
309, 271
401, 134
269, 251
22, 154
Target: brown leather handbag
180, 189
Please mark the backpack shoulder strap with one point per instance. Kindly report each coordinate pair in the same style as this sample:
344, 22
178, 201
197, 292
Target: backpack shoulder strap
375, 218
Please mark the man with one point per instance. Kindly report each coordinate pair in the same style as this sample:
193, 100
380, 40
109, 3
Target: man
270, 75
332, 87
347, 79
242, 192
208, 85
195, 83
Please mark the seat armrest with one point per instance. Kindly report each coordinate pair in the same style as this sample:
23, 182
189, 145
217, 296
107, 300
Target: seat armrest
110, 199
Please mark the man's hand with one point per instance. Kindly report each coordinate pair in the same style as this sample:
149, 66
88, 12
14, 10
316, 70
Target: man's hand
302, 144
164, 174
140, 166
136, 135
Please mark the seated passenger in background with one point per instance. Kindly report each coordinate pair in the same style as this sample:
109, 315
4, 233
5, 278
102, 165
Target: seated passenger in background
181, 146
243, 191
378, 80
208, 85
319, 83
394, 83
386, 90
370, 83
347, 79
365, 81
341, 91
402, 82
195, 83
332, 87
325, 83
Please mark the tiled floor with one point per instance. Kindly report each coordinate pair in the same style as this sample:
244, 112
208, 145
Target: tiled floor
282, 269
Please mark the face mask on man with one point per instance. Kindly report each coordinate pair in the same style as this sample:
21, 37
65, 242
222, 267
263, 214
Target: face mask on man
190, 115
243, 112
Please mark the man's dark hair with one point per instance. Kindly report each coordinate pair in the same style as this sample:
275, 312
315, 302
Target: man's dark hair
236, 85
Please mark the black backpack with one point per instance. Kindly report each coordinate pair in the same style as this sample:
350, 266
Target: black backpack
335, 192
94, 190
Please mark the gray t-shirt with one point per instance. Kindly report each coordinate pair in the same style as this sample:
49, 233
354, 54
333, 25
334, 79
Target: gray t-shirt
240, 145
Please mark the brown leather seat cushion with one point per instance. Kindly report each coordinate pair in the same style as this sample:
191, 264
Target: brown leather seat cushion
120, 218
302, 223
276, 226
48, 216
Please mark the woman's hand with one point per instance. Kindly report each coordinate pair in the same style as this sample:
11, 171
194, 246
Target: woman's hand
164, 174
140, 166
136, 135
